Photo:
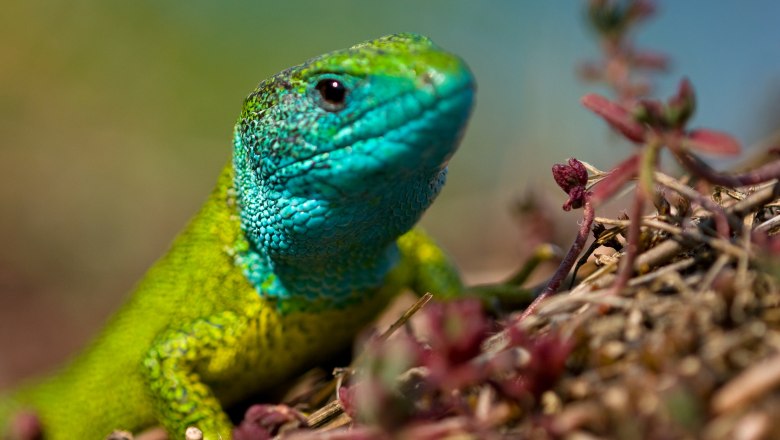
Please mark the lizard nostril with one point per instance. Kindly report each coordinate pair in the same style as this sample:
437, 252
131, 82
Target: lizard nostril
430, 79
442, 74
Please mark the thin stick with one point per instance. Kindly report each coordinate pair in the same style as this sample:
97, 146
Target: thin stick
715, 269
717, 243
671, 247
753, 201
674, 267
325, 414
722, 221
626, 268
742, 262
419, 304
769, 224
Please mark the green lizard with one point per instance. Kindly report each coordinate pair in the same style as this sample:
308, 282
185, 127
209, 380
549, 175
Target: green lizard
306, 237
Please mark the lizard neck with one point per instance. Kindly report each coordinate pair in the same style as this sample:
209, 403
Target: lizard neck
306, 240
309, 280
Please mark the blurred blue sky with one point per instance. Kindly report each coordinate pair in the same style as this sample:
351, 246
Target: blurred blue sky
116, 116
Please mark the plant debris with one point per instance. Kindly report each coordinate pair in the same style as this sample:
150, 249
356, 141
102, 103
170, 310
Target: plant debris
689, 348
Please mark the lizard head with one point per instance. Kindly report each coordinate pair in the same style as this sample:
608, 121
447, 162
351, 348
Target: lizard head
349, 148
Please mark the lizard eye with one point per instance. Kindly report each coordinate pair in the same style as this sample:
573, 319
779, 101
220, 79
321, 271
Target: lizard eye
333, 94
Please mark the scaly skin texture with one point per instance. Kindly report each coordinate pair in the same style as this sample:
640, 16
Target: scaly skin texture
304, 240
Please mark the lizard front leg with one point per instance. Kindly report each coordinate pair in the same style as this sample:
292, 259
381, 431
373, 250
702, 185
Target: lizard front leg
175, 368
428, 268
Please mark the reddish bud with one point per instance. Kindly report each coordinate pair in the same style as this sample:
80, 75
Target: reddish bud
651, 113
543, 368
616, 115
713, 142
455, 329
548, 360
571, 175
572, 178
576, 199
681, 106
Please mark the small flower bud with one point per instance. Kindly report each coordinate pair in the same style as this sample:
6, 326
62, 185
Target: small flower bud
650, 112
572, 178
681, 106
569, 176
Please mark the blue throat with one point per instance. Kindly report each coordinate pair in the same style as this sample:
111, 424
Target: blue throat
335, 252
328, 282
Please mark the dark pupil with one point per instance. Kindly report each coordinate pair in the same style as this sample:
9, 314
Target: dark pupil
332, 91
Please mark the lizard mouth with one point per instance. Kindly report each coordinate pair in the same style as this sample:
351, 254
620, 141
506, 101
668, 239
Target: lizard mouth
427, 136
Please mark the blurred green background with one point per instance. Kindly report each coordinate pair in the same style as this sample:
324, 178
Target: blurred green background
115, 118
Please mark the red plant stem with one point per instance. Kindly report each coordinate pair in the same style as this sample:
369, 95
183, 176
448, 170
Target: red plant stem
588, 214
632, 242
698, 167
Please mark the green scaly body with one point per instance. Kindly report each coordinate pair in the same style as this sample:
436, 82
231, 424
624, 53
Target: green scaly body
237, 304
